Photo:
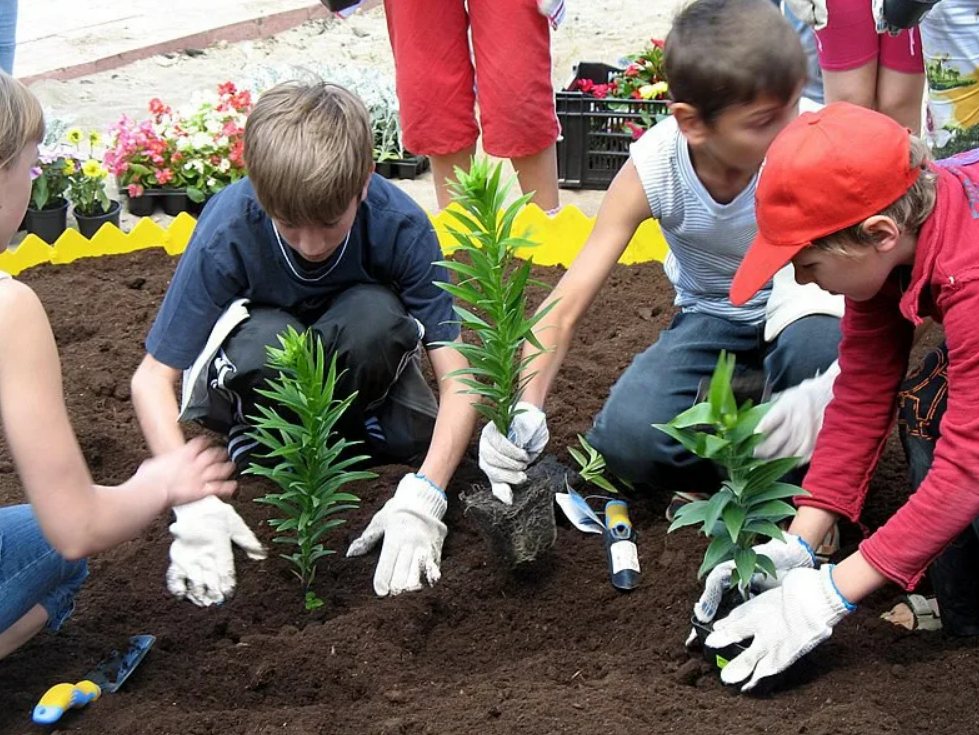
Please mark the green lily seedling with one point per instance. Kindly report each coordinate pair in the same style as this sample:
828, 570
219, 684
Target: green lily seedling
495, 284
752, 497
591, 467
491, 304
310, 460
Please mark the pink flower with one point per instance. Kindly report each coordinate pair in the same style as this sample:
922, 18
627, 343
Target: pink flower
134, 190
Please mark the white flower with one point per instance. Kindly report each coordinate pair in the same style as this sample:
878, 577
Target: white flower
201, 140
222, 142
224, 166
211, 183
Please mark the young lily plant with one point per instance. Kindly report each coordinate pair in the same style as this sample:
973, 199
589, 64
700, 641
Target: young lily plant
305, 457
493, 283
752, 498
591, 467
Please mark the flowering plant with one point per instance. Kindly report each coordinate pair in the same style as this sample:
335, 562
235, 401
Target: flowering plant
86, 183
210, 141
140, 153
51, 176
643, 79
199, 150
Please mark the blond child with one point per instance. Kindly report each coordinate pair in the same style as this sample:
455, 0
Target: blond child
44, 544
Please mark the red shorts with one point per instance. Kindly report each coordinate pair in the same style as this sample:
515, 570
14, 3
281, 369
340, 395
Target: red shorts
850, 40
437, 83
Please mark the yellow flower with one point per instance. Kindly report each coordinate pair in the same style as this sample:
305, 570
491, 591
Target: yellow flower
651, 91
92, 168
69, 166
94, 139
74, 136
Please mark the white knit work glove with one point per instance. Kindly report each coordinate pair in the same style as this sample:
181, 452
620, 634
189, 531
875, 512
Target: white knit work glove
786, 623
413, 532
202, 566
792, 425
505, 459
811, 12
792, 553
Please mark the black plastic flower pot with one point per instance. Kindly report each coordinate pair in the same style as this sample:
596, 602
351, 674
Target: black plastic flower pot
88, 225
721, 657
175, 201
142, 206
409, 167
48, 224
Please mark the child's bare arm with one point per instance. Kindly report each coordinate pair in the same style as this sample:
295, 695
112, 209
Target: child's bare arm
155, 400
77, 516
623, 209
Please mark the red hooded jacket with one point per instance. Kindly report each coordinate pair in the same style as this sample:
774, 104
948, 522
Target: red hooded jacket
877, 335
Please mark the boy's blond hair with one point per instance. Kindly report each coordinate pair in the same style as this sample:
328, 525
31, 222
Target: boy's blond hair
21, 120
909, 212
723, 53
309, 152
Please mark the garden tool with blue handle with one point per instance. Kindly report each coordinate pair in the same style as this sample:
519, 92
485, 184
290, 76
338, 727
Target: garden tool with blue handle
105, 678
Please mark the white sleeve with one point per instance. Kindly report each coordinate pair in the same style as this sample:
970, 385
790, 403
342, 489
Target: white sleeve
790, 301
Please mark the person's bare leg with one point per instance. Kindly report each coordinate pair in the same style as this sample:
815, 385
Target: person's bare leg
899, 96
443, 170
538, 174
858, 86
23, 630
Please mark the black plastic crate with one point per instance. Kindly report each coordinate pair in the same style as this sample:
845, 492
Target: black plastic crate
594, 141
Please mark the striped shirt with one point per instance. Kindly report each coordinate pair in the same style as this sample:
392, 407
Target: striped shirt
707, 240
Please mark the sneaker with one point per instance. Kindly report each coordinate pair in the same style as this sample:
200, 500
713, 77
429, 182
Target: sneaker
681, 499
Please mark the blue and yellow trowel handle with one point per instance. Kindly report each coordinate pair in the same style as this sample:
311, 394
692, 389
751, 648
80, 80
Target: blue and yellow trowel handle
63, 697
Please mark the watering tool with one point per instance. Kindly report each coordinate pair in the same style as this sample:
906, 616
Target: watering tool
620, 545
105, 678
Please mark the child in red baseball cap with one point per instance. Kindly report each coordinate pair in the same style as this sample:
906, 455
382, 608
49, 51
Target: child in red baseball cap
857, 206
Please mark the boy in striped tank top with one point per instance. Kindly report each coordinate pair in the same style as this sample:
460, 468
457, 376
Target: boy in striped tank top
736, 71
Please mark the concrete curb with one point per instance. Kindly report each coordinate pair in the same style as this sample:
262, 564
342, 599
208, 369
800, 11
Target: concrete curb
247, 30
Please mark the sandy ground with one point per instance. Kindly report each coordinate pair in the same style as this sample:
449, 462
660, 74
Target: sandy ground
594, 31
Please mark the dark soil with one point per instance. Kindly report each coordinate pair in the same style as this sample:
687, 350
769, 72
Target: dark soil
552, 648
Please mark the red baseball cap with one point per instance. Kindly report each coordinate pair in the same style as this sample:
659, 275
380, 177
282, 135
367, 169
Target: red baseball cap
826, 171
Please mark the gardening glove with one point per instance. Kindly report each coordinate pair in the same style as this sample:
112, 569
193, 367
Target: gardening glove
791, 553
505, 459
785, 623
411, 524
202, 567
792, 425
810, 12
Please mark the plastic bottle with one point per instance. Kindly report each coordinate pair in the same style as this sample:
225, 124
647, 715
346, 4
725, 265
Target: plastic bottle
620, 546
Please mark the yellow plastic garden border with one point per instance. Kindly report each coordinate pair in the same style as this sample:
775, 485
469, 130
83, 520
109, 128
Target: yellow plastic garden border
559, 239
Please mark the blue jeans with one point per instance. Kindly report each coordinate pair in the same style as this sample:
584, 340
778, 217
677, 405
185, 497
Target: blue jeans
8, 34
954, 575
663, 381
32, 572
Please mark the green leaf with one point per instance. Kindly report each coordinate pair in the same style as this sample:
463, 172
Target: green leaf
733, 515
764, 528
744, 561
776, 491
689, 514
721, 549
772, 510
762, 476
715, 506
767, 566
